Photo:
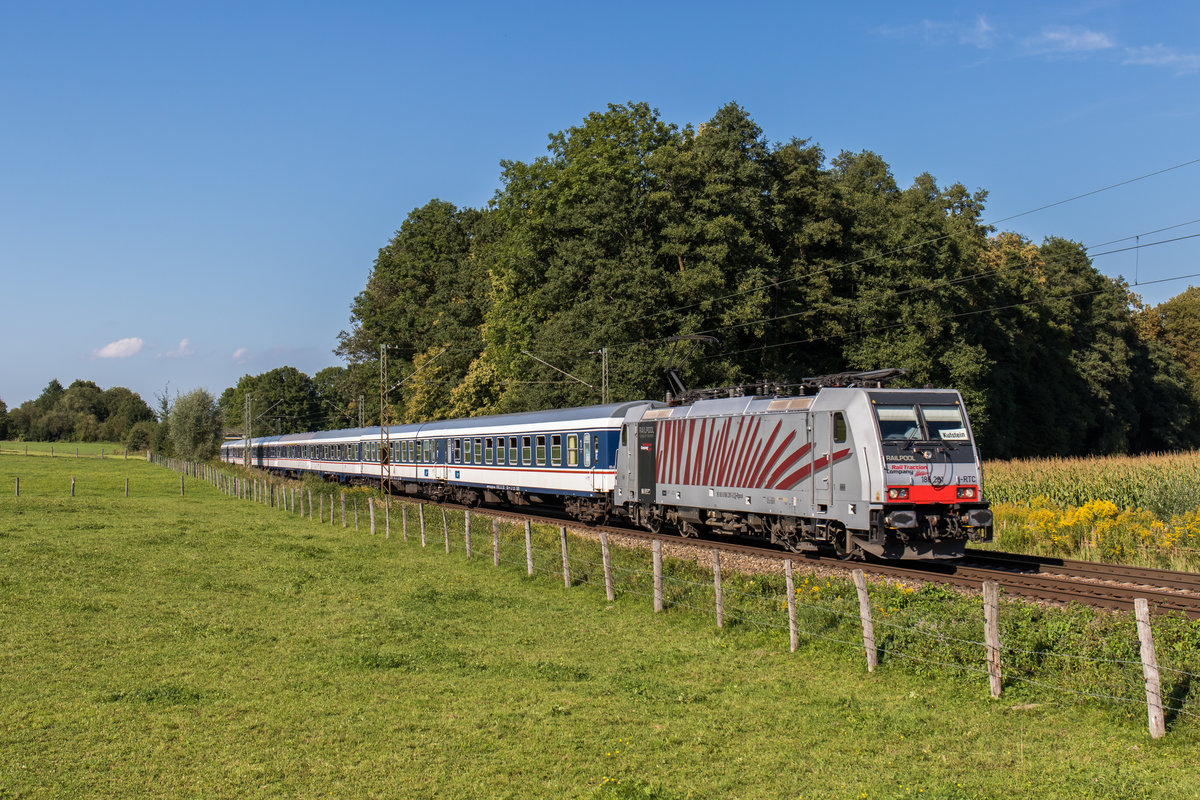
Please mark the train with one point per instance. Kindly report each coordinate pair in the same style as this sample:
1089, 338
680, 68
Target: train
865, 471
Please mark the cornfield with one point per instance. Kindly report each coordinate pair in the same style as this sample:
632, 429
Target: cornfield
1165, 484
1121, 509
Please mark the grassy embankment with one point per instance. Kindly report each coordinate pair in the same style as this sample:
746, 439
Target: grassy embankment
1122, 509
165, 646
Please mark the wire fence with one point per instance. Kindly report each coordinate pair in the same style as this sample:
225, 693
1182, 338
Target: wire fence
932, 631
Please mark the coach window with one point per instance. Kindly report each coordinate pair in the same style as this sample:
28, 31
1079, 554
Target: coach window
572, 449
596, 451
556, 450
513, 453
501, 456
487, 451
541, 451
587, 449
839, 428
526, 450
479, 451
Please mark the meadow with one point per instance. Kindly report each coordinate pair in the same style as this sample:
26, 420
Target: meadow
165, 646
68, 449
1141, 510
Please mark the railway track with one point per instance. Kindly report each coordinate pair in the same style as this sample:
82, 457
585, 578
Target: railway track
1030, 577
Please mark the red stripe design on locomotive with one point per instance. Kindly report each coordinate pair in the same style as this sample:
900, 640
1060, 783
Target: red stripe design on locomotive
681, 426
802, 473
761, 478
731, 431
751, 452
660, 445
698, 449
688, 450
726, 446
735, 452
766, 449
787, 463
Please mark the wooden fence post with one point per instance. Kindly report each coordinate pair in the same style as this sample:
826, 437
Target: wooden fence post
387, 516
421, 516
371, 508
467, 531
321, 519
127, 487
656, 549
790, 581
356, 514
562, 535
404, 520
868, 626
445, 529
1154, 707
606, 558
495, 542
343, 508
528, 549
310, 505
181, 486
718, 595
991, 632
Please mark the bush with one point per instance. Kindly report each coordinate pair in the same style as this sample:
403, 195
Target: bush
140, 436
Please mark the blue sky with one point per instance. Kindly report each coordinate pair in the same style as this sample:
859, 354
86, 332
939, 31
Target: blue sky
193, 192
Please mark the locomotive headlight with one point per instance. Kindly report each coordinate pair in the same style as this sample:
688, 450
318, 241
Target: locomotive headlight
966, 493
897, 493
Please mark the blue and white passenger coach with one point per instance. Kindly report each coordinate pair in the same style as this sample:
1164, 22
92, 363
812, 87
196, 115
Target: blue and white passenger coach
563, 457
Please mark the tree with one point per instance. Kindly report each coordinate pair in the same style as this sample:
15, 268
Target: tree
196, 426
3, 420
285, 401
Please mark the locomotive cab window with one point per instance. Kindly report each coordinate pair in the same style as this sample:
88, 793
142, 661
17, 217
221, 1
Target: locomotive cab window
839, 428
898, 423
945, 423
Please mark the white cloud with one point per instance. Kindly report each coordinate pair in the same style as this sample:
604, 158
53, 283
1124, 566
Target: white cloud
241, 355
1066, 39
184, 349
979, 33
122, 348
1157, 55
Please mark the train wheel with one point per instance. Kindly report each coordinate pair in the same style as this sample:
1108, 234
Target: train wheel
843, 543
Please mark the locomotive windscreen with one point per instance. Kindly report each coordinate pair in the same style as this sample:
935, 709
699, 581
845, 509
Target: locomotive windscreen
924, 422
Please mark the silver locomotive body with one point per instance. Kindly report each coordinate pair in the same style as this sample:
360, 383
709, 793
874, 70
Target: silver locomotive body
893, 473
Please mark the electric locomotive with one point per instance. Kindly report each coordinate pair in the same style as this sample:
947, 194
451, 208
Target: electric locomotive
893, 473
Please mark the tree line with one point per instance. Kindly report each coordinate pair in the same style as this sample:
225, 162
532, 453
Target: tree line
632, 230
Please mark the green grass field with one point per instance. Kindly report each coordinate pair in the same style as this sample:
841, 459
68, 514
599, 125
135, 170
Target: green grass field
66, 449
200, 646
